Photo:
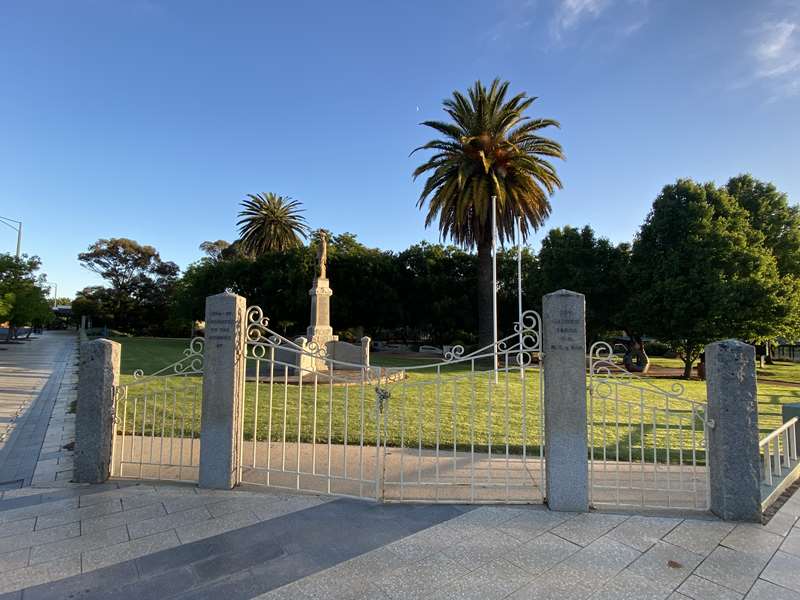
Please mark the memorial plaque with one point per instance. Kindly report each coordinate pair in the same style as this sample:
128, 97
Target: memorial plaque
566, 463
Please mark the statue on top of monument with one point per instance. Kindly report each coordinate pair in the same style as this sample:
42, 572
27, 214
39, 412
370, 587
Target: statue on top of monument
322, 255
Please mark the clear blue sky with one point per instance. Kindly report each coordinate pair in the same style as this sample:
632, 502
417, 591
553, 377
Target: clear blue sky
151, 119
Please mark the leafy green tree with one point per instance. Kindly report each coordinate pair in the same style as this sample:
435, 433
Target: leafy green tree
23, 293
489, 148
436, 284
578, 260
507, 298
30, 307
270, 223
92, 302
700, 272
60, 301
141, 283
214, 250
770, 213
6, 302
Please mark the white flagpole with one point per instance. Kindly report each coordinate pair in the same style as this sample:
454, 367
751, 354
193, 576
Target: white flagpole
494, 283
519, 278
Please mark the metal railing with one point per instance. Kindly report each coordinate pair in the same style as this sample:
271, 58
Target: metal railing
779, 451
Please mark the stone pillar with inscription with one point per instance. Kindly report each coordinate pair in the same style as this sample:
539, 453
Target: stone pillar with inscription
223, 390
566, 447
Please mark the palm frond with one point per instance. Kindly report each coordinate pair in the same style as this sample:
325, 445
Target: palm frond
270, 223
490, 147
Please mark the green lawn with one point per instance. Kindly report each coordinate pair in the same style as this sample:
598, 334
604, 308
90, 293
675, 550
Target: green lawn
149, 354
667, 363
470, 408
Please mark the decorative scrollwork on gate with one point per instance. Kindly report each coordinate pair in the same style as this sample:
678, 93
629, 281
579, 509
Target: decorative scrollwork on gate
603, 371
528, 341
529, 330
454, 353
190, 364
520, 347
259, 336
257, 325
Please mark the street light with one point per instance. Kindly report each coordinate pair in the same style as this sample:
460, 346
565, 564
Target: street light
18, 229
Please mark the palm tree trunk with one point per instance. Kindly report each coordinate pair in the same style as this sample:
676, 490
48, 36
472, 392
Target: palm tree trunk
485, 292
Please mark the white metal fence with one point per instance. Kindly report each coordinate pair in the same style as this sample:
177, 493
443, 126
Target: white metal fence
647, 444
779, 452
452, 431
157, 421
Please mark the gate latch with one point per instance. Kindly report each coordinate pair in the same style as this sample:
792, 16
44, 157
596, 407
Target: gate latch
382, 395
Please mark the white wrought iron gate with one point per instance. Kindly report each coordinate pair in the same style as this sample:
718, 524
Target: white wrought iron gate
157, 421
309, 422
457, 430
647, 444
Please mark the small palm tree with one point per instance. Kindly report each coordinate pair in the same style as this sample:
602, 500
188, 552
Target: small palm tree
489, 149
270, 223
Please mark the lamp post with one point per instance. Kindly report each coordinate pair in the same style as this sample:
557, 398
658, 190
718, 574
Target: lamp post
17, 228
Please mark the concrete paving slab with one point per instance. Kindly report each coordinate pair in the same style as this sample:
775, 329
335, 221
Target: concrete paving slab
765, 590
784, 570
699, 588
698, 536
731, 568
585, 528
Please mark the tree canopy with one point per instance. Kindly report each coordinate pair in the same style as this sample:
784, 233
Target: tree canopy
23, 293
141, 285
700, 271
578, 260
270, 223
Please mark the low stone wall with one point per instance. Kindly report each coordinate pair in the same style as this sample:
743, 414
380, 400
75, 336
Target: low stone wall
349, 353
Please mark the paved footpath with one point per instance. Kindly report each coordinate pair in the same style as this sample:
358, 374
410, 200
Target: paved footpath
144, 540
34, 376
123, 540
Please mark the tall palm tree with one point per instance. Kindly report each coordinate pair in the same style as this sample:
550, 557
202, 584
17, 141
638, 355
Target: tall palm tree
489, 148
270, 223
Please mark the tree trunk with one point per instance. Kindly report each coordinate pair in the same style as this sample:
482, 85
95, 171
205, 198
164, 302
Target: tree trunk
485, 292
687, 367
768, 353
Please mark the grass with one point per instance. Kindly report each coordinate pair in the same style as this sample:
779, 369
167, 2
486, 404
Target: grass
666, 363
470, 408
149, 354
